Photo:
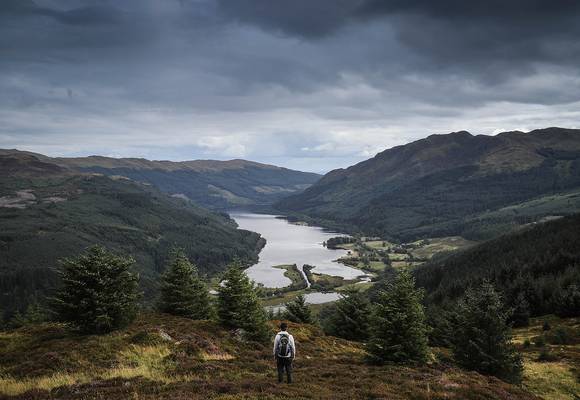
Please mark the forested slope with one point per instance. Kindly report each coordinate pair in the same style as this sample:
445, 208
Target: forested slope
447, 185
539, 265
47, 214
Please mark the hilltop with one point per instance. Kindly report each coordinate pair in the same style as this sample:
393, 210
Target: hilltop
445, 185
209, 183
164, 357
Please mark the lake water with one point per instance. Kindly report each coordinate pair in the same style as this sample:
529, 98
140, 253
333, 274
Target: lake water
288, 243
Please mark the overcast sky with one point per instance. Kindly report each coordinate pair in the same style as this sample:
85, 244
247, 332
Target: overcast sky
307, 84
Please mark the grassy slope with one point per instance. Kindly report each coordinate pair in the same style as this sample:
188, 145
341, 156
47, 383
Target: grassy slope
560, 378
202, 361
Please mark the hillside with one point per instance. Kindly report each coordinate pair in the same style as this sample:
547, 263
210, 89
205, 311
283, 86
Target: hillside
537, 263
209, 183
47, 213
444, 185
163, 357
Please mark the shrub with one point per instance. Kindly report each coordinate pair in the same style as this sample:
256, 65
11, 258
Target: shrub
546, 326
560, 336
298, 311
547, 356
540, 341
348, 317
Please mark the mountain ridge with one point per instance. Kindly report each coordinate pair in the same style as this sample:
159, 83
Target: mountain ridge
439, 178
211, 183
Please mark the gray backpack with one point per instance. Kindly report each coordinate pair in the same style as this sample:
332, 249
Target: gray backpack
284, 348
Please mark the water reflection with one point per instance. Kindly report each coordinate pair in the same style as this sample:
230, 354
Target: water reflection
291, 244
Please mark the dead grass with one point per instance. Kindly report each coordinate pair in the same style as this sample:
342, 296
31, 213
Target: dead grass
555, 380
199, 360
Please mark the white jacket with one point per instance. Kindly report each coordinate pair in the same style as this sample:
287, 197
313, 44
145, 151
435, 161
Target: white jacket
290, 339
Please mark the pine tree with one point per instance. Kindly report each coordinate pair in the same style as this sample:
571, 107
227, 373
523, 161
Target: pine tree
398, 330
568, 302
481, 339
99, 292
349, 316
239, 306
298, 311
521, 311
34, 314
183, 292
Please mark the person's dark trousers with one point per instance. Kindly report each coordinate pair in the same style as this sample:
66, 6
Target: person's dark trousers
284, 364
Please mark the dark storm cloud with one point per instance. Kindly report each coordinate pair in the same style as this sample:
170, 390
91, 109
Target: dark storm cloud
446, 32
329, 81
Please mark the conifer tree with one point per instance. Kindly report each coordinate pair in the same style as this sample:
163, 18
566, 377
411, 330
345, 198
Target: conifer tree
34, 314
349, 316
521, 311
99, 292
398, 330
183, 292
298, 311
481, 339
239, 305
568, 302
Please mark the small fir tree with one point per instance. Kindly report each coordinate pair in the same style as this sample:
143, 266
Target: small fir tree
239, 305
99, 292
34, 314
521, 311
349, 316
298, 311
183, 292
481, 339
398, 332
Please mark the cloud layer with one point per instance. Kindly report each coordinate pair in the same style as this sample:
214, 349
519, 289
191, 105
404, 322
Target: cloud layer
312, 85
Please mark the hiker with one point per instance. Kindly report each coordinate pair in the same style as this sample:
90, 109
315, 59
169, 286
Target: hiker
284, 352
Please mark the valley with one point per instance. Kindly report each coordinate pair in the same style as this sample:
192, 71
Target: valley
452, 228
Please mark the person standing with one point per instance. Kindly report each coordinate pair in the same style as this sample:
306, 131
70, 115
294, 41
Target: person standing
284, 352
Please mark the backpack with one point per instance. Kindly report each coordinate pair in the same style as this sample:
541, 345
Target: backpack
284, 349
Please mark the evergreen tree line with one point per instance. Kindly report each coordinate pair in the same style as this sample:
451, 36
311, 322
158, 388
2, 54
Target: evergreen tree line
99, 293
393, 324
537, 270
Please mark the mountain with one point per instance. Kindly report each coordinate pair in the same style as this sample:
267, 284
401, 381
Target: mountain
209, 183
48, 212
447, 185
164, 357
538, 263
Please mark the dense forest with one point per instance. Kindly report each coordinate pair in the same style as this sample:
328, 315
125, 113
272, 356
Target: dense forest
47, 218
537, 269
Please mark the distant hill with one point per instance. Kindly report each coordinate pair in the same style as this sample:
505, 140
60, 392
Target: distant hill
537, 263
210, 183
449, 185
48, 212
